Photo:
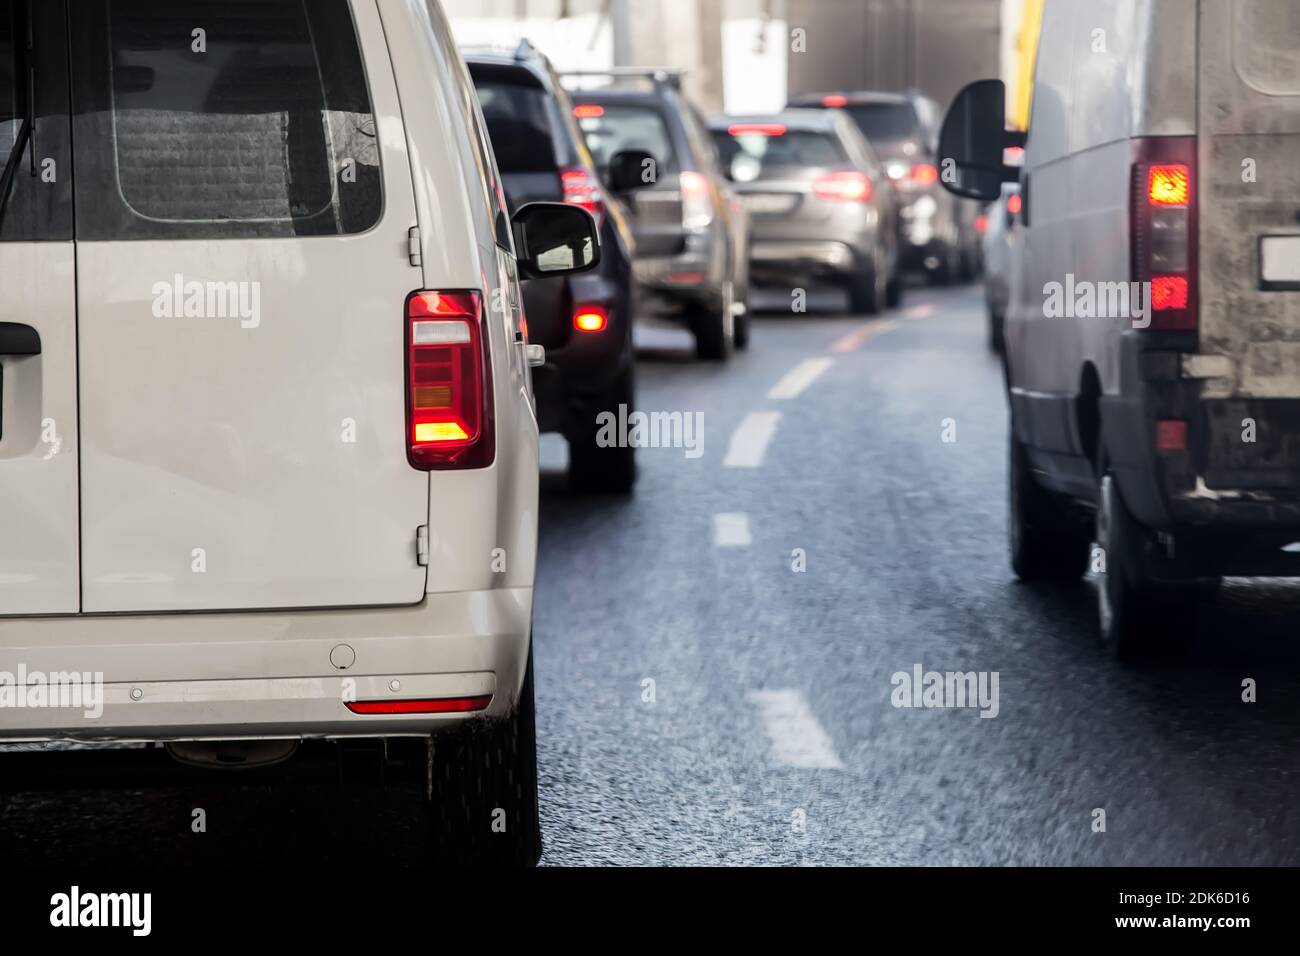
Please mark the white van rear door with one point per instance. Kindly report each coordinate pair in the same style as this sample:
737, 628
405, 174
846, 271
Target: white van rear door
38, 320
242, 270
1249, 192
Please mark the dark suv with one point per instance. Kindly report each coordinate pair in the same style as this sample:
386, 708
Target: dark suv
583, 321
939, 234
692, 242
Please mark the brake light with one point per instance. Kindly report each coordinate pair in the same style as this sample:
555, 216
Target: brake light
449, 382
848, 186
589, 111
1163, 228
591, 318
835, 101
697, 203
428, 705
1014, 203
923, 174
581, 188
756, 129
981, 224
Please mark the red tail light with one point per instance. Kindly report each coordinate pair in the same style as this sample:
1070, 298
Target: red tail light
849, 186
449, 382
756, 129
981, 224
431, 705
582, 189
1163, 225
590, 318
835, 101
1171, 435
589, 111
923, 174
1014, 202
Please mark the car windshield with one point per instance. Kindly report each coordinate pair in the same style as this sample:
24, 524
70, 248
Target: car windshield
612, 129
885, 123
764, 151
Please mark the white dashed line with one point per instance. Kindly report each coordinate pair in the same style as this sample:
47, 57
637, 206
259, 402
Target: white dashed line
798, 739
799, 378
749, 441
861, 336
731, 530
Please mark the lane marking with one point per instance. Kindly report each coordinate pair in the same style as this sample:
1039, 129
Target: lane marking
731, 530
799, 378
923, 311
859, 337
749, 441
797, 738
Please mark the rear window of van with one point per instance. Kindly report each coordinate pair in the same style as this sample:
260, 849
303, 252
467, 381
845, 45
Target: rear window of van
222, 119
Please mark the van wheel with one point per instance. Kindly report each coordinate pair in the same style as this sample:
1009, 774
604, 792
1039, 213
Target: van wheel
483, 787
715, 328
597, 470
1046, 542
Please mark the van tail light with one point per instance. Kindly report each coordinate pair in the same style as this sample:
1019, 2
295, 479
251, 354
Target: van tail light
697, 204
581, 188
849, 186
449, 412
1163, 230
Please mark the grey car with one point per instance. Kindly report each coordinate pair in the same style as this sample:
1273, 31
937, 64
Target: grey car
820, 202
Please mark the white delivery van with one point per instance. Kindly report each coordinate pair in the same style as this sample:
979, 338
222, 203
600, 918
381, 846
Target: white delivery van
268, 450
1153, 332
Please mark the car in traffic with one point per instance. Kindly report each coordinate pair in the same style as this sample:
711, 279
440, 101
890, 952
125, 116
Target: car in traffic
999, 244
820, 203
583, 321
692, 237
939, 235
1155, 305
268, 449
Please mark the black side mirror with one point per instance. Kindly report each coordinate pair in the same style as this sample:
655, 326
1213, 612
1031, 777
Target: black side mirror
555, 239
972, 142
632, 169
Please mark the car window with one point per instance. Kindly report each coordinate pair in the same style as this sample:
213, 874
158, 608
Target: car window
520, 124
612, 129
885, 122
39, 206
766, 151
212, 119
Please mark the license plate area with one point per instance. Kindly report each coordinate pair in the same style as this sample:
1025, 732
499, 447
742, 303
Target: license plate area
770, 204
1279, 263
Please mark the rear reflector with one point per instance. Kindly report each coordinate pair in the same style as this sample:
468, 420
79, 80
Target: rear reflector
590, 318
431, 705
449, 383
1171, 435
848, 186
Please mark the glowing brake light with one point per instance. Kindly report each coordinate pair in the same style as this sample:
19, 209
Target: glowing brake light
1168, 185
449, 382
757, 129
589, 111
835, 101
923, 174
848, 186
591, 318
1168, 292
1014, 204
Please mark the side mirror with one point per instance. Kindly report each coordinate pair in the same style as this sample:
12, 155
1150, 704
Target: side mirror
972, 142
632, 169
555, 239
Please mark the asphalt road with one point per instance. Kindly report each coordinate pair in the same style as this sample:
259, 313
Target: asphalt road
768, 734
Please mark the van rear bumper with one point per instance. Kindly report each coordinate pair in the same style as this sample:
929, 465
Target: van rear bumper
225, 676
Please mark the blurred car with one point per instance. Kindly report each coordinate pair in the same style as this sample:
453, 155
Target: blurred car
939, 234
1153, 332
692, 255
584, 321
821, 205
999, 245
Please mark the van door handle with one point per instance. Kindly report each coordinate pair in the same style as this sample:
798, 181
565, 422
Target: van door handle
17, 339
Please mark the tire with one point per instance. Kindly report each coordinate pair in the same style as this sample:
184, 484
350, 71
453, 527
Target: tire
483, 787
1135, 616
894, 291
996, 323
597, 470
867, 291
1046, 542
715, 328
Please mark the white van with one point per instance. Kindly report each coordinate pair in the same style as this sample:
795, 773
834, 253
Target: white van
268, 449
1153, 334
